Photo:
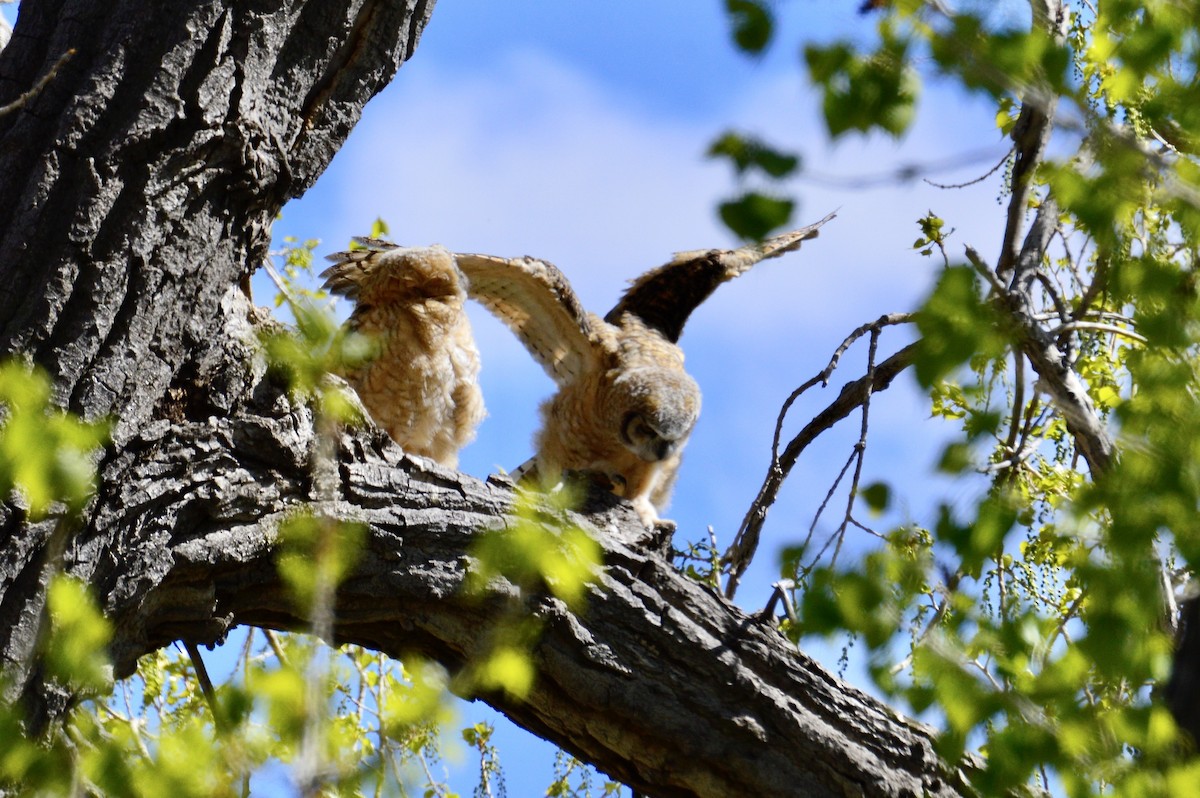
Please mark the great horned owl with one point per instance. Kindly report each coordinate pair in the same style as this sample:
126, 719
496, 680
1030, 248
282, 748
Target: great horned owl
421, 387
625, 406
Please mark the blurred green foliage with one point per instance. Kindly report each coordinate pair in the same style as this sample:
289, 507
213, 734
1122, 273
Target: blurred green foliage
1033, 622
46, 456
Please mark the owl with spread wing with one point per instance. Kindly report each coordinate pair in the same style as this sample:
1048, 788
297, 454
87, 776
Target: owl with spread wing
421, 385
625, 406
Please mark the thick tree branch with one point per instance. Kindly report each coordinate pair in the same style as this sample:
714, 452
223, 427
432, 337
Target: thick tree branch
660, 682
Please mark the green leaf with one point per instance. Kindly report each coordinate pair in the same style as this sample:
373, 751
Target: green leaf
975, 542
864, 92
76, 650
317, 553
754, 216
748, 153
532, 555
752, 24
509, 669
48, 455
877, 496
379, 228
955, 324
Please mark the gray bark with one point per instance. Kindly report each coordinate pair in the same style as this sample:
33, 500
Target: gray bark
136, 192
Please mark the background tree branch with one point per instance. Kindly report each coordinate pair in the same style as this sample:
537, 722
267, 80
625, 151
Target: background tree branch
853, 396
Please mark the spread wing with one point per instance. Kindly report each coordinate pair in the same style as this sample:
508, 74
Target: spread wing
535, 301
663, 298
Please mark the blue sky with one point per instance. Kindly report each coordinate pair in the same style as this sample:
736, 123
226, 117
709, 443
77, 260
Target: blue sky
575, 132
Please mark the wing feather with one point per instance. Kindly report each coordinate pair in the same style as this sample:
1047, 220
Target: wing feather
665, 297
535, 300
380, 273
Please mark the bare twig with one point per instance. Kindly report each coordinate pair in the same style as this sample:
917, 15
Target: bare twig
812, 528
984, 271
781, 591
824, 375
853, 394
206, 685
24, 99
980, 179
860, 448
1097, 326
273, 642
906, 173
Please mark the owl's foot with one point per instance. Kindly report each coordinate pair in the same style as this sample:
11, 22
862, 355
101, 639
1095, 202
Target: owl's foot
649, 515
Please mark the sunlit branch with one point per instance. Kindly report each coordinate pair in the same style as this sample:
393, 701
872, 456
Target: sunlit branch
1014, 422
1051, 363
1098, 327
781, 591
1055, 293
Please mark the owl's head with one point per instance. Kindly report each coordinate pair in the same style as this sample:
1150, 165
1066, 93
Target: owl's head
658, 408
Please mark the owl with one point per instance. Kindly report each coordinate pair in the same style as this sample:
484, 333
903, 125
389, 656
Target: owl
421, 385
624, 405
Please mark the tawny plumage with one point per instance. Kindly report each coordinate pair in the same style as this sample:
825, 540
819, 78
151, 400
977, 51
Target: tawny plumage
421, 386
625, 406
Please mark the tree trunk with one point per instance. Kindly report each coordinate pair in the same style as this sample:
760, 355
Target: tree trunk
137, 191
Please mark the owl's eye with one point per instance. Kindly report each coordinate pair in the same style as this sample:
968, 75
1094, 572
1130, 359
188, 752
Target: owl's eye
635, 431
643, 439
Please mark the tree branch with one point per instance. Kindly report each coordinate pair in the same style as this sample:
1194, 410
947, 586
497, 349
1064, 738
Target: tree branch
661, 683
1057, 378
852, 396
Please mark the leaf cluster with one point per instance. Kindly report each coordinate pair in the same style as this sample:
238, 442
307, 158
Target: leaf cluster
1032, 620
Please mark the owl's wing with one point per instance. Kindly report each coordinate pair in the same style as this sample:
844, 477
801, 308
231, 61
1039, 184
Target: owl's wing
353, 274
344, 277
534, 299
379, 274
663, 298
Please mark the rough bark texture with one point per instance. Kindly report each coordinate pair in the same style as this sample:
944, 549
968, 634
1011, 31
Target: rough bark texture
136, 191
